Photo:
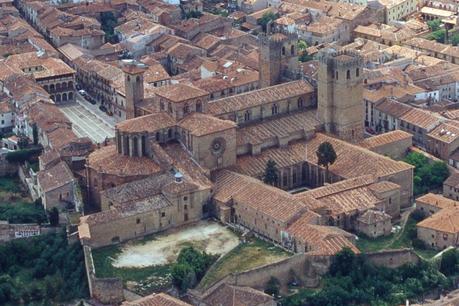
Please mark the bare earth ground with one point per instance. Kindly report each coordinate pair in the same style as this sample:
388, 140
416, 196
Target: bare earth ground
164, 249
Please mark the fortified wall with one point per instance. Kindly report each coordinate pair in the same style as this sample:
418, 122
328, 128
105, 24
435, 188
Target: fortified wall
104, 290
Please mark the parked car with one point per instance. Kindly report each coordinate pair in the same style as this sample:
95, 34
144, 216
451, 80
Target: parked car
103, 108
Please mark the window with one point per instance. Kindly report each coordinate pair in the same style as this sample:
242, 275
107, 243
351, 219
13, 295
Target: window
163, 214
336, 75
274, 109
199, 106
185, 206
247, 115
186, 109
300, 103
283, 50
137, 221
357, 72
185, 198
292, 50
348, 74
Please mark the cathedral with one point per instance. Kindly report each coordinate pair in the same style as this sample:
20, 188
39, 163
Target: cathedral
180, 157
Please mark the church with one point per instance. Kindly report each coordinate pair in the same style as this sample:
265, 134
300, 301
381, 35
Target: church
181, 157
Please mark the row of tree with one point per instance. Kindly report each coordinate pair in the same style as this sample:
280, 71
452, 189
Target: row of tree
353, 280
41, 270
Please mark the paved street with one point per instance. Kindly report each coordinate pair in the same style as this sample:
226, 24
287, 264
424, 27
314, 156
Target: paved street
86, 123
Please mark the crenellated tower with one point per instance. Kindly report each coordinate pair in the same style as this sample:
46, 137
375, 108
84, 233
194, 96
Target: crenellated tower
340, 94
278, 58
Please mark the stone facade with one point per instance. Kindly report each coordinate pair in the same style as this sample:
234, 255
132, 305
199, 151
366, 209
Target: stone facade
340, 94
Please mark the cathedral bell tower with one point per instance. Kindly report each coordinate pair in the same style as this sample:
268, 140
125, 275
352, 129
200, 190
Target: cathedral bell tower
340, 94
133, 82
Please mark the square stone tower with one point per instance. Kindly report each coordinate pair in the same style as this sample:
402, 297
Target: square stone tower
133, 82
340, 94
278, 58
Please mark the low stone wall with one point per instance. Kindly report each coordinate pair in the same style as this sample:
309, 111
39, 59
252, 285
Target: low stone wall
393, 258
104, 290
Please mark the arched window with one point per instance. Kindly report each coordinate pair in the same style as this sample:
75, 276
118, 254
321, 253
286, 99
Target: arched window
126, 145
169, 107
128, 78
64, 85
58, 86
274, 109
64, 97
70, 96
292, 50
58, 98
161, 105
336, 75
348, 74
158, 136
283, 50
357, 72
247, 115
70, 84
144, 145
199, 106
51, 87
137, 79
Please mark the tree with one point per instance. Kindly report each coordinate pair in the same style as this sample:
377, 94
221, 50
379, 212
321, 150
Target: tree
183, 276
23, 142
427, 176
434, 25
438, 36
326, 156
455, 39
272, 286
271, 176
108, 24
53, 216
301, 45
265, 19
449, 261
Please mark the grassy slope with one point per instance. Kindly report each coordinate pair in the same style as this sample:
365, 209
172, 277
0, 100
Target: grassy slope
244, 257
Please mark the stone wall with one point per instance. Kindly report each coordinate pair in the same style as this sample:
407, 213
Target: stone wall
393, 258
104, 290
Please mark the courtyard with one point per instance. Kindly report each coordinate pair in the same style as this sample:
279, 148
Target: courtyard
144, 265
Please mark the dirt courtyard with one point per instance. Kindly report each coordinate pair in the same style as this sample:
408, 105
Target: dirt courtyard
164, 248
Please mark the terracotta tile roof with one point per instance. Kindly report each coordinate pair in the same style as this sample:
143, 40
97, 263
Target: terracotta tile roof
180, 92
452, 180
373, 216
321, 240
49, 156
348, 196
422, 118
183, 162
437, 200
51, 66
60, 137
277, 204
156, 299
301, 122
148, 123
352, 160
200, 124
384, 139
206, 41
446, 220
107, 160
155, 73
228, 295
138, 190
5, 107
125, 210
392, 107
446, 132
259, 97
58, 176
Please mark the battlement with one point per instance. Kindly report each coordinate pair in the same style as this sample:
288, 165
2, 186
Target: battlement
131, 66
276, 38
340, 59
